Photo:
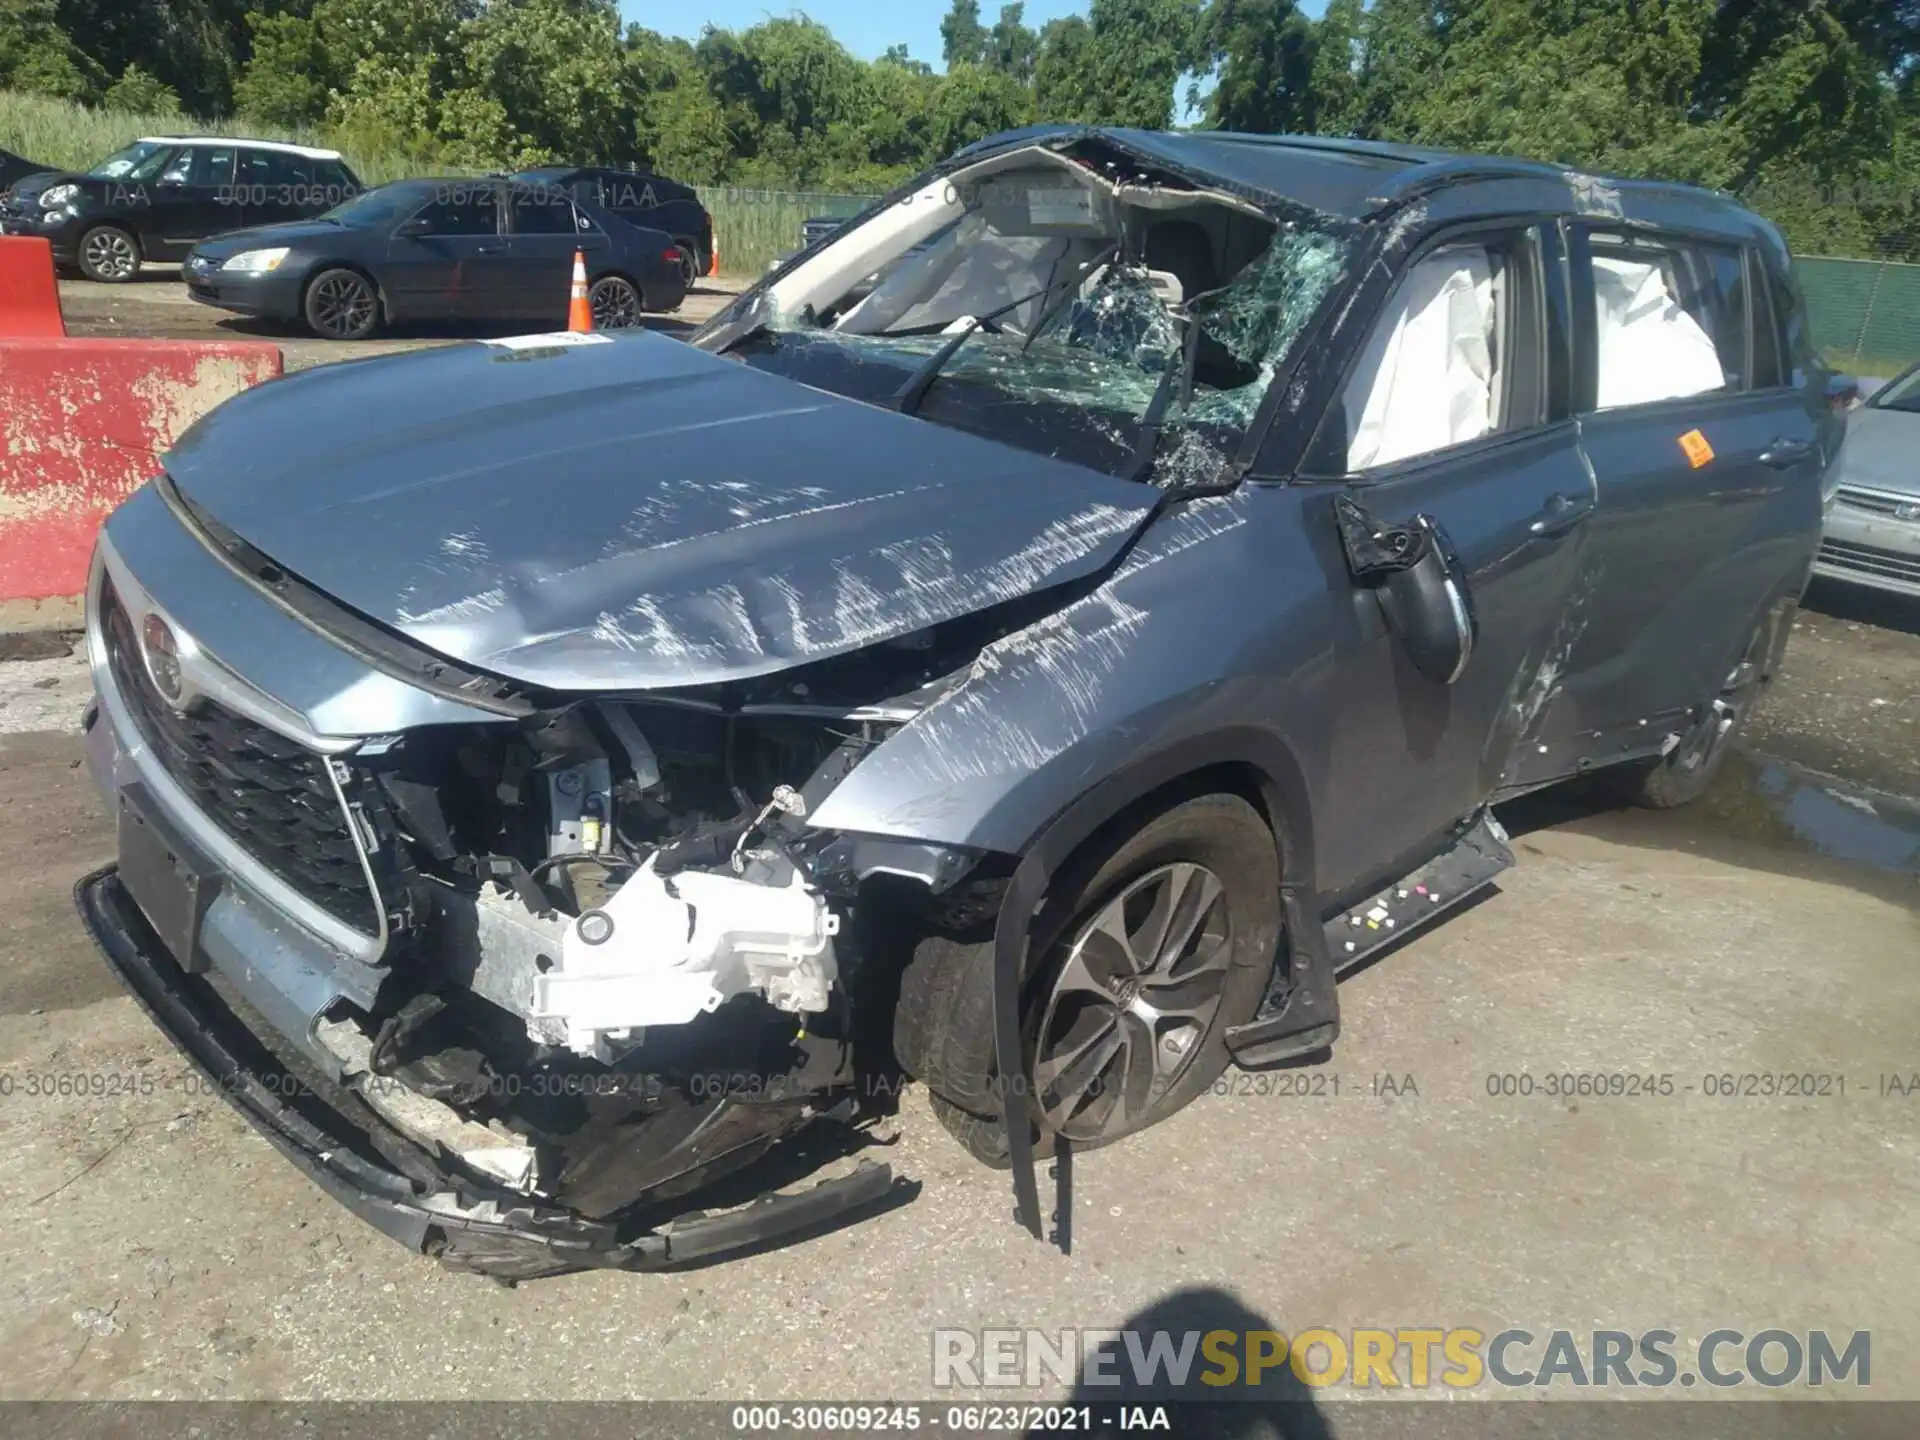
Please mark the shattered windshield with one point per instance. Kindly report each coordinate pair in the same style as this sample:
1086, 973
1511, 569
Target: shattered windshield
1137, 321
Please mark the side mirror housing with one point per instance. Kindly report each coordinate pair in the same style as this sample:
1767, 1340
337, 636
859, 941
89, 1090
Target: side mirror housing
413, 228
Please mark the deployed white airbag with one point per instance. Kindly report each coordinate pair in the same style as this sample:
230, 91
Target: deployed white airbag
1426, 380
972, 271
1650, 347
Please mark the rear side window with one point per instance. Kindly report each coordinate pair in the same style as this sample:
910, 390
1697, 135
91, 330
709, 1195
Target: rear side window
461, 214
278, 167
1670, 319
542, 211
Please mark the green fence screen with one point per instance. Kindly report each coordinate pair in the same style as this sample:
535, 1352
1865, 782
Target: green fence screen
753, 228
1865, 313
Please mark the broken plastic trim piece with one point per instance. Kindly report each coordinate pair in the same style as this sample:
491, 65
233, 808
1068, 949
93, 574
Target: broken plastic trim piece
426, 1121
1373, 548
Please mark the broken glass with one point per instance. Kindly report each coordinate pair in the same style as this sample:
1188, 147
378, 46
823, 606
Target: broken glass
1106, 349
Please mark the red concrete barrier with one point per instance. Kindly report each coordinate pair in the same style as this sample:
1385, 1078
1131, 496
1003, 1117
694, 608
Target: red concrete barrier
82, 424
29, 293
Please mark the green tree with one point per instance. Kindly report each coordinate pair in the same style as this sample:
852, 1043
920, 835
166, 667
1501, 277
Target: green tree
1262, 53
288, 79
555, 73
963, 39
975, 102
678, 124
38, 56
139, 93
1066, 79
1011, 46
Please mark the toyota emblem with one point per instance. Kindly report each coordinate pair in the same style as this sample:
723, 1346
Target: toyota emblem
163, 657
1908, 511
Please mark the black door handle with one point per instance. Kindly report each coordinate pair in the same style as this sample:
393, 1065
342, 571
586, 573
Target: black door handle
1561, 513
1784, 454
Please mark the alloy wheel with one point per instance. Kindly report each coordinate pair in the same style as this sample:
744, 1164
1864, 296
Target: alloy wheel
1133, 1002
616, 304
110, 254
341, 306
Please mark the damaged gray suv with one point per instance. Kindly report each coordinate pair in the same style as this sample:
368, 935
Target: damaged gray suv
1033, 641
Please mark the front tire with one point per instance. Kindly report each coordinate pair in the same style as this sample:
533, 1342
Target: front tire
1144, 956
341, 304
109, 255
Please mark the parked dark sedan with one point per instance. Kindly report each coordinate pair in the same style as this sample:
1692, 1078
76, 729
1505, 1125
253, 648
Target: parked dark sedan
480, 250
160, 195
643, 198
1062, 660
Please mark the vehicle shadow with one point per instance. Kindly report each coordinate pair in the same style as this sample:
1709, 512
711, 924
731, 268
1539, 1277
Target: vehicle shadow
1276, 1403
1840, 601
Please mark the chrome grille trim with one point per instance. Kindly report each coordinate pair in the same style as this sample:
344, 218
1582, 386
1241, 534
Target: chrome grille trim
1870, 560
1874, 502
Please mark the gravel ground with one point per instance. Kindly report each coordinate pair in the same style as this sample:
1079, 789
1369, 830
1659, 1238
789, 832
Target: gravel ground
152, 1246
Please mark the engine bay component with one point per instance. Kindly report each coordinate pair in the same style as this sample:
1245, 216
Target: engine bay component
665, 949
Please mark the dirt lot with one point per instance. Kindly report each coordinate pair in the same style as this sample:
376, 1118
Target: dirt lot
152, 1246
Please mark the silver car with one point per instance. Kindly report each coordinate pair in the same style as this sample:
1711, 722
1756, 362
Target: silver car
1873, 493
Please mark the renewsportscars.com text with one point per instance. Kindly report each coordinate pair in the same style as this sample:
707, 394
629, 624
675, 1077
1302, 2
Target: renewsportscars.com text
1416, 1358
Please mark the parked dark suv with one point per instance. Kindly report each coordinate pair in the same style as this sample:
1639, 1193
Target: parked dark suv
163, 194
642, 198
551, 775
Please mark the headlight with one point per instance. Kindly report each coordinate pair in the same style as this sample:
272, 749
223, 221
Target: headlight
257, 262
54, 196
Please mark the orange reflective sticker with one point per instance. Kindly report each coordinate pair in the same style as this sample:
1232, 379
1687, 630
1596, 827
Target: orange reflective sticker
1698, 451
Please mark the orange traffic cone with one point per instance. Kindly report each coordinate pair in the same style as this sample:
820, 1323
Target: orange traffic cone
713, 257
579, 308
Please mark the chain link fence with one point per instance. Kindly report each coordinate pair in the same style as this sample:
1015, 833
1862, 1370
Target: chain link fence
1865, 313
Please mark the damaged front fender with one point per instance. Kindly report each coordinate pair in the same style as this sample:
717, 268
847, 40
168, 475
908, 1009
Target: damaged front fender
1104, 684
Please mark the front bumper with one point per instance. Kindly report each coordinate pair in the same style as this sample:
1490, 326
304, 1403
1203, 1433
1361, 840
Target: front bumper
275, 295
1867, 542
60, 228
268, 974
392, 1184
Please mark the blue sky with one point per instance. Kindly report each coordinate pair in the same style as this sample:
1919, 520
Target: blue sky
866, 27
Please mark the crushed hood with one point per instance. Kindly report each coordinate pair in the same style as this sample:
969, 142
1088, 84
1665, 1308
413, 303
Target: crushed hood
635, 513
